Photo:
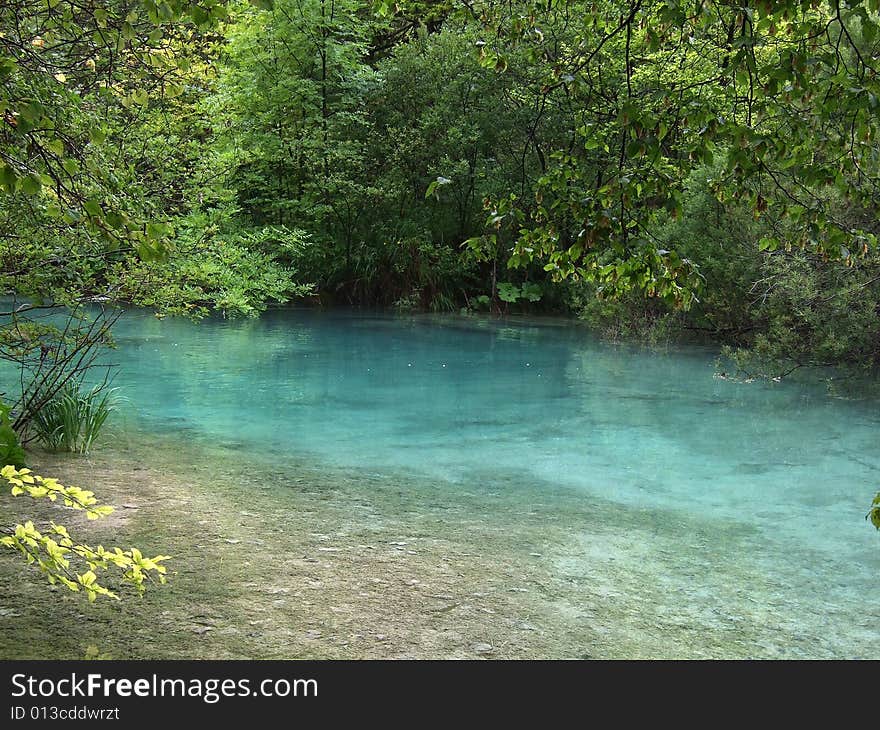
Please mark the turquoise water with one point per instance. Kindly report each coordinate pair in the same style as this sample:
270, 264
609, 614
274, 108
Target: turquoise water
531, 411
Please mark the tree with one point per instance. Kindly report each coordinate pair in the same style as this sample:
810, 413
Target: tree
784, 93
77, 215
74, 80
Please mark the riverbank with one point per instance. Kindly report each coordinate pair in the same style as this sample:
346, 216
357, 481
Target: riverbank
293, 562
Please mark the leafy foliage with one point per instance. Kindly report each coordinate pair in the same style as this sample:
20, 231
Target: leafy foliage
579, 130
560, 141
74, 81
11, 451
59, 557
218, 266
783, 93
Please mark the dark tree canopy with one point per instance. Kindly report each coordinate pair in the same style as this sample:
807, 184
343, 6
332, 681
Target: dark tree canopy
710, 165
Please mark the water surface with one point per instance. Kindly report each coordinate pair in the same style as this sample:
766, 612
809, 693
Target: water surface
678, 499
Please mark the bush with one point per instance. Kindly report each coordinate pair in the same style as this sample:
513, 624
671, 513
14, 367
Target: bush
220, 266
631, 317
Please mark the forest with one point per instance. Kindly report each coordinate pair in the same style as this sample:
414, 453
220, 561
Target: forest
655, 168
658, 173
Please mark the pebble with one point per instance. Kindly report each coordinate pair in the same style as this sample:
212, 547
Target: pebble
482, 648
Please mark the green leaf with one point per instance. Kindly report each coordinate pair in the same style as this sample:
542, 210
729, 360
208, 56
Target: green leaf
435, 185
56, 146
508, 292
8, 178
7, 66
157, 230
635, 148
532, 292
32, 184
93, 208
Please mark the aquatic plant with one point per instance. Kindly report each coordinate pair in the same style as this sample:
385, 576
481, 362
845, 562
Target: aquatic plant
874, 513
73, 418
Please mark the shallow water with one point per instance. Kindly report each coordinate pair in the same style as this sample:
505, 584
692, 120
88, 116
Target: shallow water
685, 504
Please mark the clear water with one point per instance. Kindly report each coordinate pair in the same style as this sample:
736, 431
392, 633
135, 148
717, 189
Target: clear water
532, 411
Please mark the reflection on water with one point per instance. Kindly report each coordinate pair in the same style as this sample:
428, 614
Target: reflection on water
742, 502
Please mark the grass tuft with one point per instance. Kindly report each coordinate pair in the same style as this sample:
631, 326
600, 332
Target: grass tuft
72, 420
